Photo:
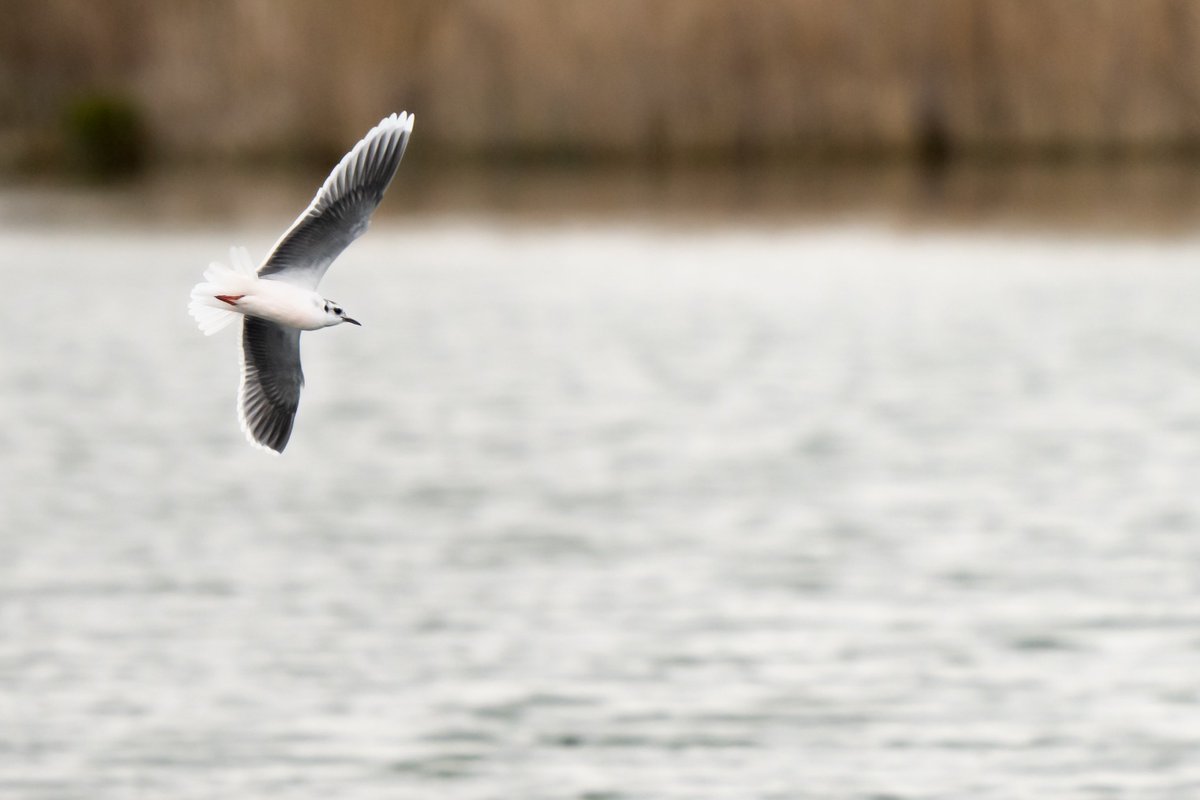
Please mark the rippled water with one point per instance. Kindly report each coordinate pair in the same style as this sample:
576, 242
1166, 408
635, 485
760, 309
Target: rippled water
609, 513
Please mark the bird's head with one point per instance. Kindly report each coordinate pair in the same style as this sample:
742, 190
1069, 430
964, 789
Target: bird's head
336, 315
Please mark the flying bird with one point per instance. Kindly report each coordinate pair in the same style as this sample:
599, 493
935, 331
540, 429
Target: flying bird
279, 299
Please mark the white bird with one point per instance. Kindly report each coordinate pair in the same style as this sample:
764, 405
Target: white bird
280, 300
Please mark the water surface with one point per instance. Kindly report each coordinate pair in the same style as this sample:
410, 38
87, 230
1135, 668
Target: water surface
608, 512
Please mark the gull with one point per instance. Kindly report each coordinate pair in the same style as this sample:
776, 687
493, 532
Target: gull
279, 299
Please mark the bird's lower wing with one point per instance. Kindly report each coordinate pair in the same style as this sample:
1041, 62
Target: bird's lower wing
271, 382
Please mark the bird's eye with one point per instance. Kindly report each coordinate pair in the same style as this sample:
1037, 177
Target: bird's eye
337, 310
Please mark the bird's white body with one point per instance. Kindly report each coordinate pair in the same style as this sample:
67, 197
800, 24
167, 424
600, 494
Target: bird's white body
229, 291
286, 305
278, 300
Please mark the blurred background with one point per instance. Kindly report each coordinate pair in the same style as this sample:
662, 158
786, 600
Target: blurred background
807, 105
792, 399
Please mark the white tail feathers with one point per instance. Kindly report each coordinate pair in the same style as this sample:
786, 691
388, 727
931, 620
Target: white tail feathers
240, 259
210, 313
209, 318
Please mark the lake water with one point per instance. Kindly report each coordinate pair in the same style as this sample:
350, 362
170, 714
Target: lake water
606, 512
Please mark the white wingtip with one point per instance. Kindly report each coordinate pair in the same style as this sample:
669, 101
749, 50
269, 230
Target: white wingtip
402, 120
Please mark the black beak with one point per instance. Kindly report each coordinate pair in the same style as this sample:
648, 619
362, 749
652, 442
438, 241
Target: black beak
352, 321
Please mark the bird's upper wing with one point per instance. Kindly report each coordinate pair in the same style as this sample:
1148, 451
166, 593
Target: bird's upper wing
271, 381
342, 207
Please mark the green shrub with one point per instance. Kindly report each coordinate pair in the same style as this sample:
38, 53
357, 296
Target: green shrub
106, 136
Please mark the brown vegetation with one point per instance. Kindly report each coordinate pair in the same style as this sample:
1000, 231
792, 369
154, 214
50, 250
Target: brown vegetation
640, 78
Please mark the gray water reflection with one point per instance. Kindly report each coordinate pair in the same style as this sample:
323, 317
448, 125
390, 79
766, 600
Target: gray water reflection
1156, 196
609, 513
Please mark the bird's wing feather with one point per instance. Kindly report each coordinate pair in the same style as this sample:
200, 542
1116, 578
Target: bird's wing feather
271, 382
342, 207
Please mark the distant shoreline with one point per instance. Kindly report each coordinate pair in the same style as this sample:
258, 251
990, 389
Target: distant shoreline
1134, 198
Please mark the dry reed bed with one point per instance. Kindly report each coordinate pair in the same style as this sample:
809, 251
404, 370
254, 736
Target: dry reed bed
640, 78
